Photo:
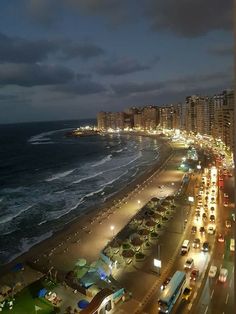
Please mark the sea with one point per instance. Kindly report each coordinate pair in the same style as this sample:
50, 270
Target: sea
48, 179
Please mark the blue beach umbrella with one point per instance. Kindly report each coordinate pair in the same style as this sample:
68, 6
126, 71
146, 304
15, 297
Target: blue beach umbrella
17, 267
82, 304
42, 293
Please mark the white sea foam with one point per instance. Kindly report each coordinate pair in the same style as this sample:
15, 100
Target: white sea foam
60, 175
26, 244
103, 161
42, 143
10, 217
115, 179
41, 137
87, 178
119, 150
42, 222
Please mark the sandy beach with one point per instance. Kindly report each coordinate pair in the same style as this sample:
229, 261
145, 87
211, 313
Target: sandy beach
89, 234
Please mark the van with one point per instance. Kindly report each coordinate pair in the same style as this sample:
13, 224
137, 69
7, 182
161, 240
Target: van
223, 275
185, 247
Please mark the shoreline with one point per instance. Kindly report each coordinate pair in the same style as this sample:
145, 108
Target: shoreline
45, 246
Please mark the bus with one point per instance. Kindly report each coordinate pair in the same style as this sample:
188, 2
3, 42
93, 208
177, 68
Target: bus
169, 296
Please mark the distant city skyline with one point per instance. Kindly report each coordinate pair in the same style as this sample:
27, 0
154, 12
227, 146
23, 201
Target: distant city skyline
70, 59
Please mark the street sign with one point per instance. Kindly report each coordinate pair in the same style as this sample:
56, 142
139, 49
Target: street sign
157, 263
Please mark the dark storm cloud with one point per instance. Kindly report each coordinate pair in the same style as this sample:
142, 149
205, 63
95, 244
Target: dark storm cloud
221, 51
190, 18
85, 51
33, 74
129, 88
83, 87
19, 50
44, 12
184, 83
120, 67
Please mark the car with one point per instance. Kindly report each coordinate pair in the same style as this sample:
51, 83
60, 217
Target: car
228, 224
220, 238
194, 274
211, 229
204, 216
223, 275
186, 293
165, 283
189, 263
212, 218
212, 271
202, 229
212, 208
205, 247
194, 229
196, 243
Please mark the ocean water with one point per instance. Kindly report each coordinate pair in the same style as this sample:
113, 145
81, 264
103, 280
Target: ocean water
46, 179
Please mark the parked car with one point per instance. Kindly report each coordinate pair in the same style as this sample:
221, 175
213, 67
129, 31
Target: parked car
204, 216
202, 229
228, 224
196, 243
212, 271
165, 283
194, 274
205, 247
189, 263
212, 218
186, 293
223, 275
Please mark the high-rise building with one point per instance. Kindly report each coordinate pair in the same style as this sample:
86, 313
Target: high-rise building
150, 117
102, 120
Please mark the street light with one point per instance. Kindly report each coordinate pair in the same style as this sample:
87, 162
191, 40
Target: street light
139, 202
112, 229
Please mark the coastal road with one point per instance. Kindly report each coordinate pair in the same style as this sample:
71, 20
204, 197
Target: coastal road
217, 297
212, 297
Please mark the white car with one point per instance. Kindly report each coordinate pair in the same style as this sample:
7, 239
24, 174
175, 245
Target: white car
210, 230
189, 263
223, 275
212, 271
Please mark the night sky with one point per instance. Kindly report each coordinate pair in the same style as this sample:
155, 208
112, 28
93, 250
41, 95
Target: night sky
69, 59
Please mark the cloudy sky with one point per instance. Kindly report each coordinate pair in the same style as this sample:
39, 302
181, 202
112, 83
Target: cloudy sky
69, 59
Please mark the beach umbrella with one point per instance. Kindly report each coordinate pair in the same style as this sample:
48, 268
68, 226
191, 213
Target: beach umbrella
17, 267
137, 241
161, 209
143, 232
128, 253
82, 304
150, 223
165, 203
42, 293
134, 235
116, 243
149, 212
81, 262
156, 216
155, 199
170, 197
